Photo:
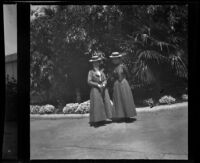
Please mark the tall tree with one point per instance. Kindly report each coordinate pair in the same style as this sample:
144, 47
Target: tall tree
64, 37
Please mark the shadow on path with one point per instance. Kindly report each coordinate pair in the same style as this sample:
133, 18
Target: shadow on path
115, 120
124, 120
100, 123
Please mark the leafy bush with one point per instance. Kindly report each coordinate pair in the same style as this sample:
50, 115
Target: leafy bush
70, 108
148, 102
83, 108
167, 100
34, 109
184, 97
46, 109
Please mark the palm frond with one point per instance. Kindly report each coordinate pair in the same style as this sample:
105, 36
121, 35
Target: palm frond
179, 66
143, 73
151, 55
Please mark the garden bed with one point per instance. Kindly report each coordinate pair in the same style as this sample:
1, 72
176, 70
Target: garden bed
71, 108
79, 116
84, 108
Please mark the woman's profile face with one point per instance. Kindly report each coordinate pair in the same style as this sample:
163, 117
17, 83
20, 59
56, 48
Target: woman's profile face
116, 60
96, 64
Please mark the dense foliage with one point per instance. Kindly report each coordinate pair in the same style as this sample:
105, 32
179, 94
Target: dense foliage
154, 37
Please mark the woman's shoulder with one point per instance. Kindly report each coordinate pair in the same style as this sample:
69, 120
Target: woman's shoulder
91, 71
102, 70
120, 66
123, 66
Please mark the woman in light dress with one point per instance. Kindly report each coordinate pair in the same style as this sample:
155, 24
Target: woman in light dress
100, 106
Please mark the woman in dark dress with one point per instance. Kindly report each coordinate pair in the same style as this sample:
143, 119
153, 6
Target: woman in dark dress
124, 107
100, 106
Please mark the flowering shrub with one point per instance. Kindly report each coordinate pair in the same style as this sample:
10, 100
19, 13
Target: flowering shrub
184, 97
167, 100
46, 109
34, 109
83, 108
149, 102
70, 108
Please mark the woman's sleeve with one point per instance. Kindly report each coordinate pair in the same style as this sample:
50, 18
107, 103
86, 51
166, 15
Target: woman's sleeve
104, 79
90, 82
125, 69
110, 79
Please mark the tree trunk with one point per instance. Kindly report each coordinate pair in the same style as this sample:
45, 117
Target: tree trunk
157, 86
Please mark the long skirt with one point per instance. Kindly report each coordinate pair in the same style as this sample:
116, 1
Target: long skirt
100, 106
124, 106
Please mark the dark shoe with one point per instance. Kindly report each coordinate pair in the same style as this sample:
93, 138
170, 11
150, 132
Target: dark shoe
152, 105
98, 124
91, 124
108, 121
130, 120
118, 120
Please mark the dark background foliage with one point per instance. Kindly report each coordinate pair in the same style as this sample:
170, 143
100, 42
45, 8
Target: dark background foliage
63, 38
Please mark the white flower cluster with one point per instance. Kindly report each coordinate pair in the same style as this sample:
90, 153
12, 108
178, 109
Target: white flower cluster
34, 109
167, 100
83, 108
70, 108
45, 109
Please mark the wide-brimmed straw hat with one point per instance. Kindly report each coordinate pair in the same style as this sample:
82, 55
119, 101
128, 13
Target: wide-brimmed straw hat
98, 56
115, 55
95, 58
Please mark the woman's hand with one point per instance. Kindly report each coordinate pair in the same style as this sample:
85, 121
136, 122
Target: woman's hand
103, 84
99, 85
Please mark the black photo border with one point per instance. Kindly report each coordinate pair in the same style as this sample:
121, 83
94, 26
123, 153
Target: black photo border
23, 63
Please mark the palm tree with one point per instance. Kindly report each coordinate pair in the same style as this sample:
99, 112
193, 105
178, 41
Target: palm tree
148, 57
153, 42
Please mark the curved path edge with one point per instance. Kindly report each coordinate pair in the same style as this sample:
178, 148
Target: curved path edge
144, 109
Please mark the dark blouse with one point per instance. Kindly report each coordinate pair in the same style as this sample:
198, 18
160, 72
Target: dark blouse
120, 72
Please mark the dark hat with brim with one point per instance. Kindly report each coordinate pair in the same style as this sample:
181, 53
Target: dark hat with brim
95, 58
115, 55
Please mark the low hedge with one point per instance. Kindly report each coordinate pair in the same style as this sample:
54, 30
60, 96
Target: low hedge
82, 108
45, 109
71, 108
167, 100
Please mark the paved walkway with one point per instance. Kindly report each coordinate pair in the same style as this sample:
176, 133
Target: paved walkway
154, 135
